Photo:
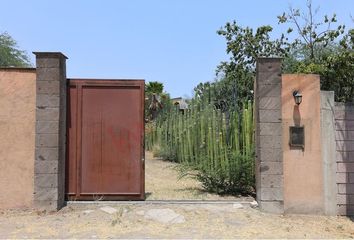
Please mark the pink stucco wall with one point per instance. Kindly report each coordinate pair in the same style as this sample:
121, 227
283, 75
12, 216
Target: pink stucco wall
303, 174
17, 142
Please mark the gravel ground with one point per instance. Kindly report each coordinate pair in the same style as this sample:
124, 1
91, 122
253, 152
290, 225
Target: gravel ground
162, 183
155, 221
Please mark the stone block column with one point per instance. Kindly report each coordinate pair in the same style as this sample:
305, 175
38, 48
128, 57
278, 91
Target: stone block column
49, 169
269, 155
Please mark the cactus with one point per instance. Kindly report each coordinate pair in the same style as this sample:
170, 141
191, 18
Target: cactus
218, 145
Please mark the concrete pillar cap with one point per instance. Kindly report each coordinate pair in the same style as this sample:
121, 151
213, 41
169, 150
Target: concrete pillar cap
50, 55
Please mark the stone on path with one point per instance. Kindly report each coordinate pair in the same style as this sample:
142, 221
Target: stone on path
237, 205
253, 204
108, 210
165, 215
88, 211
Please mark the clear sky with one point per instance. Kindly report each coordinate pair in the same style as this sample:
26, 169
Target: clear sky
171, 41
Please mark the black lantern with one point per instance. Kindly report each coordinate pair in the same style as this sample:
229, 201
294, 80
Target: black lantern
297, 97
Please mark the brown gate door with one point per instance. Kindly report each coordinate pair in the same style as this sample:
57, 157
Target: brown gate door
105, 133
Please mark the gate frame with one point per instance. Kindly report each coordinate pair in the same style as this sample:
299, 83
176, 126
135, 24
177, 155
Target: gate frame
50, 132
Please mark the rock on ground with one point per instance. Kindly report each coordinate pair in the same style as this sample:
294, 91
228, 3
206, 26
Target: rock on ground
165, 215
108, 210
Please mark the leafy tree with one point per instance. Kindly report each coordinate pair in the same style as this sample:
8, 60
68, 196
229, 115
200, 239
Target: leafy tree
244, 45
10, 55
322, 49
312, 35
338, 74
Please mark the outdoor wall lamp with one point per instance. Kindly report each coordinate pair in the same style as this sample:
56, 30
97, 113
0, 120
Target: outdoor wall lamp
297, 97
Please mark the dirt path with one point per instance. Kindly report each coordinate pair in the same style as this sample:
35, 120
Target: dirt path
162, 183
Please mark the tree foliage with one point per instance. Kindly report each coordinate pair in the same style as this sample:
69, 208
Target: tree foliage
154, 87
157, 100
312, 35
244, 45
10, 54
320, 47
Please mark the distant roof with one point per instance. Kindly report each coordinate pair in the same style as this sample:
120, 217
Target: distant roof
176, 98
182, 104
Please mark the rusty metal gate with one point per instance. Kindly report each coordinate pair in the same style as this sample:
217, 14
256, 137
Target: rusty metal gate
105, 147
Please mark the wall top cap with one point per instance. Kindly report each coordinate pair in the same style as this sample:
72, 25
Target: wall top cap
344, 104
269, 58
50, 54
17, 69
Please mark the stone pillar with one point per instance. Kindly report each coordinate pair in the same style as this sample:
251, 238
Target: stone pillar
328, 151
49, 167
269, 156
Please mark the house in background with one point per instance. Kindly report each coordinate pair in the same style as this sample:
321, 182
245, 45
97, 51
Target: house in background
180, 103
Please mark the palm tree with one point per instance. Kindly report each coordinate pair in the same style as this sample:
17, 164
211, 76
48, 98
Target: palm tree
153, 91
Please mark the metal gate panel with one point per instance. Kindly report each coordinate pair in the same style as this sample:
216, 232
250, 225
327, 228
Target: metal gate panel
105, 152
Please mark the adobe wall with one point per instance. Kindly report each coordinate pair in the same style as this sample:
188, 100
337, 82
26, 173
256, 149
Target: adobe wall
303, 169
17, 141
344, 137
